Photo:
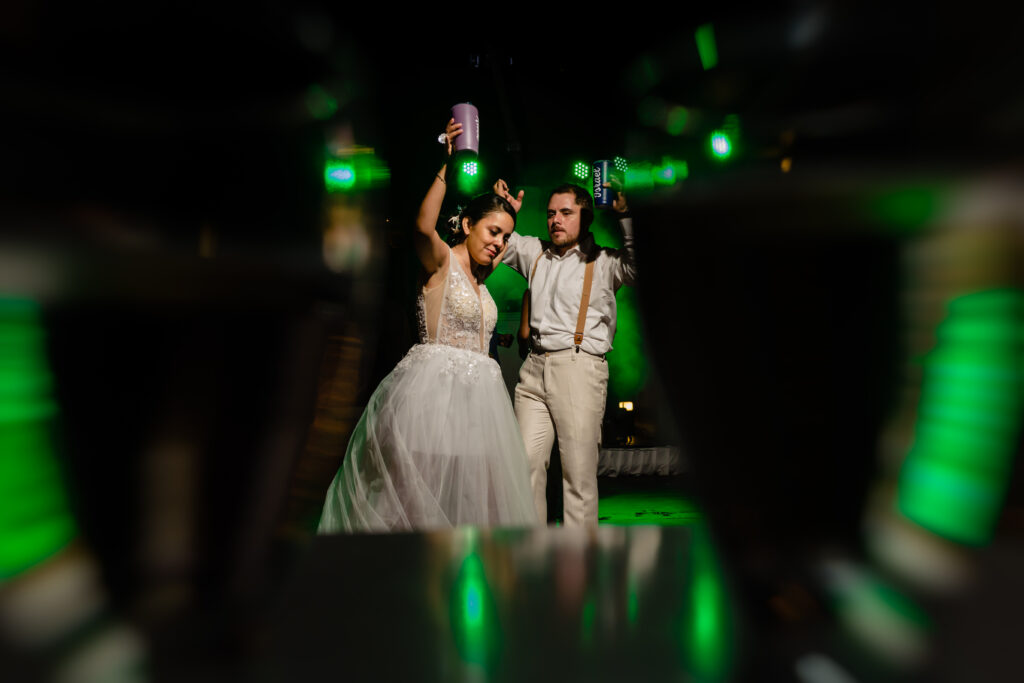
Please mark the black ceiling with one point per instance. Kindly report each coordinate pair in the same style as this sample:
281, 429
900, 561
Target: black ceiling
173, 109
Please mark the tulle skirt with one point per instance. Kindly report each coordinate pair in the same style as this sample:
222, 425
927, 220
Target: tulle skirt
437, 446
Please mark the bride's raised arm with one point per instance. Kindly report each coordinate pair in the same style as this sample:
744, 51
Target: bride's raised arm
430, 248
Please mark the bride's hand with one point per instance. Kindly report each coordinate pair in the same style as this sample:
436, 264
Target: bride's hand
451, 131
501, 189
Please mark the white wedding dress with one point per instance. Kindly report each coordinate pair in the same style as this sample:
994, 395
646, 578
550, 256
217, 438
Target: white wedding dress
438, 444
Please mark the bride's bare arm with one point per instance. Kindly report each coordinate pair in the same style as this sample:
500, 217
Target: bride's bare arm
430, 248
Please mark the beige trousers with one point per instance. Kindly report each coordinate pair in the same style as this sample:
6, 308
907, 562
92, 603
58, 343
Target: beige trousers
563, 393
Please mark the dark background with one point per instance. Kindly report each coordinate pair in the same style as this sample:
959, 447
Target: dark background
770, 300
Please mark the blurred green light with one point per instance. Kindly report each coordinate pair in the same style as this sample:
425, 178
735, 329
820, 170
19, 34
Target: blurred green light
320, 103
473, 616
705, 37
354, 168
707, 620
639, 177
474, 606
675, 121
954, 478
469, 168
581, 170
652, 111
344, 176
670, 171
339, 176
907, 209
707, 630
721, 145
35, 522
632, 601
620, 164
588, 619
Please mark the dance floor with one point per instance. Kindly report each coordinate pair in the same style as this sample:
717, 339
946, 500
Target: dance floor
656, 500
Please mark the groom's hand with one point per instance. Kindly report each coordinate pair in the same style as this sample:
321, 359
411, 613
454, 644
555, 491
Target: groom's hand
501, 189
619, 203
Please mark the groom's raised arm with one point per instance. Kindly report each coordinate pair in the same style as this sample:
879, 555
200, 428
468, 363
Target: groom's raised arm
521, 250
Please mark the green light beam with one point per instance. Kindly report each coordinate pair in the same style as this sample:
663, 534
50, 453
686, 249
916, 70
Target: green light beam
955, 476
705, 37
35, 521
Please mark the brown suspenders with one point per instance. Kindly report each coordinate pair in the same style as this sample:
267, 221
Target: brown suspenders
588, 280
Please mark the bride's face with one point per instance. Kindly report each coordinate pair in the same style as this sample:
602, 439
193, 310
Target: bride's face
486, 238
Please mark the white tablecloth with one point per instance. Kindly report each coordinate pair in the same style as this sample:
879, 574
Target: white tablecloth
664, 460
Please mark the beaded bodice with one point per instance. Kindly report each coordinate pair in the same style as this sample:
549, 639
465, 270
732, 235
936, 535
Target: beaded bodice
458, 320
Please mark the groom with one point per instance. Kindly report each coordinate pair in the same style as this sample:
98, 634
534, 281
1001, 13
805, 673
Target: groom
563, 383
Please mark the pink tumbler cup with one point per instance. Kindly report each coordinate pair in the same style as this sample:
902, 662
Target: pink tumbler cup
467, 115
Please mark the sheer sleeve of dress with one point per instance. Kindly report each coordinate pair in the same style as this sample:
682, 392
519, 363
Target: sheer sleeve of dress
429, 310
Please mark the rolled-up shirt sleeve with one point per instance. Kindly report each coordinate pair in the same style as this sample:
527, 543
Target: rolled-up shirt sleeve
624, 262
521, 252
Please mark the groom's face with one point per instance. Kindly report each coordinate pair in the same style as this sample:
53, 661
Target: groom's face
564, 220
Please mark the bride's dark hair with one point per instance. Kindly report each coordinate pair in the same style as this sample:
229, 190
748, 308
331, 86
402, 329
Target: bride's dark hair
478, 207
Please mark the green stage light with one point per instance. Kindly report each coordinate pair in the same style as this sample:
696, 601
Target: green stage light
621, 165
339, 176
581, 170
354, 168
721, 145
468, 177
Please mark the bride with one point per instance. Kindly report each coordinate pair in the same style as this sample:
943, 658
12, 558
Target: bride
438, 445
